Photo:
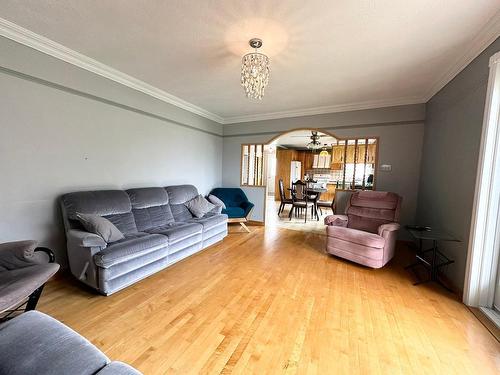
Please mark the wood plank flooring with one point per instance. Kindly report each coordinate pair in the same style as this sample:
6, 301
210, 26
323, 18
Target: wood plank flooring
273, 302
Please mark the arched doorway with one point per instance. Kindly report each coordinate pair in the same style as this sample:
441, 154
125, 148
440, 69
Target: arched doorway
333, 163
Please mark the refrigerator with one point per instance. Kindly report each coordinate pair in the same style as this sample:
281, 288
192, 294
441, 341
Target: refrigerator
295, 171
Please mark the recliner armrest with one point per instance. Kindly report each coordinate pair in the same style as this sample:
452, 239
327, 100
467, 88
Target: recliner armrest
384, 229
20, 254
85, 239
336, 220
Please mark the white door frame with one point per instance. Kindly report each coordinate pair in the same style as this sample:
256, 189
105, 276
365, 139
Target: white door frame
484, 240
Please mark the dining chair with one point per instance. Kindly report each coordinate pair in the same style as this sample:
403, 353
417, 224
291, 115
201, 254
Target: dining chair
302, 201
326, 204
284, 200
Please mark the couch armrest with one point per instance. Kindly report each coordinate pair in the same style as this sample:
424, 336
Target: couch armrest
336, 220
85, 239
216, 210
385, 229
247, 206
20, 254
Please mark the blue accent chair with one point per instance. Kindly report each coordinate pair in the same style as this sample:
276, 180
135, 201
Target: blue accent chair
238, 207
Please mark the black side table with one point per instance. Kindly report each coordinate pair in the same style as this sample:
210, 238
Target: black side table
432, 258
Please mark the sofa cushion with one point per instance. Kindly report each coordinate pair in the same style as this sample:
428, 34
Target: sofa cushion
176, 232
101, 202
210, 220
114, 205
35, 343
180, 194
234, 212
150, 207
199, 206
356, 236
100, 226
130, 247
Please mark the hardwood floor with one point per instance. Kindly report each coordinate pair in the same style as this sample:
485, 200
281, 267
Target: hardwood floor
273, 302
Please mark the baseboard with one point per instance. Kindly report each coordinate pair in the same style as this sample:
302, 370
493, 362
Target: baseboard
256, 223
489, 325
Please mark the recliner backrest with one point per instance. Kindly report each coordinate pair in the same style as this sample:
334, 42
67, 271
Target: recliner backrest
150, 207
178, 195
367, 210
113, 205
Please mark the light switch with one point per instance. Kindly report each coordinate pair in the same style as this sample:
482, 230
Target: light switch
386, 167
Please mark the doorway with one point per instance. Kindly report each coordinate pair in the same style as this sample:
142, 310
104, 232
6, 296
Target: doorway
482, 281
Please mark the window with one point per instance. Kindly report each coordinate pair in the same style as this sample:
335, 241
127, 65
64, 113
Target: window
252, 165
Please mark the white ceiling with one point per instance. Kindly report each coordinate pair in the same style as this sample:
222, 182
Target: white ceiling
325, 55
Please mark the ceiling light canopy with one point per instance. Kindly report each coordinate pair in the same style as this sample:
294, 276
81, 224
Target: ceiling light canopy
255, 71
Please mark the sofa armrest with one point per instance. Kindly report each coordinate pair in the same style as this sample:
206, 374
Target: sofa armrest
20, 254
216, 210
385, 229
85, 239
247, 206
336, 220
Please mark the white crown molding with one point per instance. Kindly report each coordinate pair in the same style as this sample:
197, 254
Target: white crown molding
324, 110
28, 38
486, 36
10, 30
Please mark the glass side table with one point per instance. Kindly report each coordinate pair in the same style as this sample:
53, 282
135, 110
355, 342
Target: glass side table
432, 258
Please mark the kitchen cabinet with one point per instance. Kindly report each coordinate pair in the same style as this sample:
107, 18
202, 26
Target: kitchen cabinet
338, 154
372, 154
284, 159
321, 161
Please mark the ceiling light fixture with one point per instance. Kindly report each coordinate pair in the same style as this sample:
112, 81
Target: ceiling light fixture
255, 71
315, 144
324, 152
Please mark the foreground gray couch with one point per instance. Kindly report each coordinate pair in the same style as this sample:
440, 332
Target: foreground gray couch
35, 343
159, 231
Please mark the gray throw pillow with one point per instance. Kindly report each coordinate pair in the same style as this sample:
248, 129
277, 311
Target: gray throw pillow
199, 206
100, 226
215, 200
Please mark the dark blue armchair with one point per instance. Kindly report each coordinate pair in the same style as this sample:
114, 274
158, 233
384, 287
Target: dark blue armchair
238, 207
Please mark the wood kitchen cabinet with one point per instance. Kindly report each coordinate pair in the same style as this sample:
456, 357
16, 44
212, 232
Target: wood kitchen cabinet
372, 154
284, 159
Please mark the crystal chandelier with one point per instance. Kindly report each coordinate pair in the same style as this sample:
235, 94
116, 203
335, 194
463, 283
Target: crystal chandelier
255, 71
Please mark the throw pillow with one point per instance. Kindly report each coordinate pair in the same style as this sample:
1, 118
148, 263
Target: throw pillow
199, 206
100, 226
217, 201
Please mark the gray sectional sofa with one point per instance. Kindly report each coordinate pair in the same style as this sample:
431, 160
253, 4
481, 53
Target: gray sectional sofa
159, 231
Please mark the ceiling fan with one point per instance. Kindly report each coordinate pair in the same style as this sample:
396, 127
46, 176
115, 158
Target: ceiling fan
315, 144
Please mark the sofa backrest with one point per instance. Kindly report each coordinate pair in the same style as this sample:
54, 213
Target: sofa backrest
150, 207
178, 195
367, 209
232, 197
113, 205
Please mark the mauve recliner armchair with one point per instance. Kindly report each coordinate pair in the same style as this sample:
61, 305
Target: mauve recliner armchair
367, 233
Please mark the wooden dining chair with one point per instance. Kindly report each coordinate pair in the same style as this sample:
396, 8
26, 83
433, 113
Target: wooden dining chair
302, 201
283, 198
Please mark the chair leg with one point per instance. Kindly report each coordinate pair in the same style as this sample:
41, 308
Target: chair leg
33, 299
290, 213
245, 227
280, 208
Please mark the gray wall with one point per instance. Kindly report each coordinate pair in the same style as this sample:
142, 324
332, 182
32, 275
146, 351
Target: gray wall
451, 150
64, 129
400, 129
